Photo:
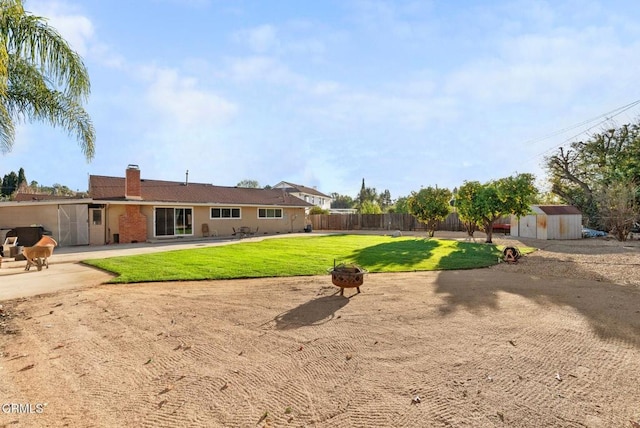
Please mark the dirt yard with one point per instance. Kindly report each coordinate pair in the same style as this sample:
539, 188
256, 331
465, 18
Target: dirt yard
553, 341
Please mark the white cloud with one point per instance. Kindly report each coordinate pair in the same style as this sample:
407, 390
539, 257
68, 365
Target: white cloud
325, 88
263, 68
187, 3
182, 101
292, 39
340, 108
394, 18
537, 67
260, 39
76, 28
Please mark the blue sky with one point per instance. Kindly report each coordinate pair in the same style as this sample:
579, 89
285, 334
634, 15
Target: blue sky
324, 93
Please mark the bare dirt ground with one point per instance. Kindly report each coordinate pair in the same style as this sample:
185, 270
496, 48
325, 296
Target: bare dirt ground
553, 341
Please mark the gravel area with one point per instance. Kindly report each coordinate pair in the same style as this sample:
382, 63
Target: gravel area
599, 259
550, 341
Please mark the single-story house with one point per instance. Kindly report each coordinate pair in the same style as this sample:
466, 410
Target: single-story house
549, 222
131, 209
307, 194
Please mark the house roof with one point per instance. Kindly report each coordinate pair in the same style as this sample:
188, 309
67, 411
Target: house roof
102, 188
32, 197
559, 209
297, 188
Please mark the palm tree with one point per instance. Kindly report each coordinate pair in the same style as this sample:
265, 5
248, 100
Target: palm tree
41, 78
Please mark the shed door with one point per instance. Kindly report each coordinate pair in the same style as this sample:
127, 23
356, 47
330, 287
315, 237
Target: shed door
74, 224
527, 225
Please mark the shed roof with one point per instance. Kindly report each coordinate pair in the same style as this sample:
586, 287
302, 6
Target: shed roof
559, 209
103, 188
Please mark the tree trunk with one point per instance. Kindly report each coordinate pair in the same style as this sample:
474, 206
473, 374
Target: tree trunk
488, 229
470, 227
431, 228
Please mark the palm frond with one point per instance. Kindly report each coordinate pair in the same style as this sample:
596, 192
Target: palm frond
30, 98
41, 78
45, 47
7, 130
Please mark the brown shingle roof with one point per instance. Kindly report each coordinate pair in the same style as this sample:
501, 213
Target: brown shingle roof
559, 209
113, 189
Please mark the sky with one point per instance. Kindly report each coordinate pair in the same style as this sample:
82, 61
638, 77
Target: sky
405, 94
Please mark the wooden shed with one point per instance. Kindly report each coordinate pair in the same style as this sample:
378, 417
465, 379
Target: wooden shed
549, 222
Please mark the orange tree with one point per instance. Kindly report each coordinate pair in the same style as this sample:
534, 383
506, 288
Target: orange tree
429, 206
483, 204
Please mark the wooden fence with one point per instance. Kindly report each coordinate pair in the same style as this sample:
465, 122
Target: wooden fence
404, 222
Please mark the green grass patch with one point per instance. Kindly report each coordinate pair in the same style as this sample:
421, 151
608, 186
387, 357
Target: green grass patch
300, 256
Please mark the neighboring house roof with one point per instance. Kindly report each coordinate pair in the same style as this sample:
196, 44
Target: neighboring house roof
297, 188
558, 209
102, 188
30, 197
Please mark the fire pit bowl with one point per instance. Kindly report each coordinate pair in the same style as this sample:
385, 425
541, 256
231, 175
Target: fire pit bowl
347, 276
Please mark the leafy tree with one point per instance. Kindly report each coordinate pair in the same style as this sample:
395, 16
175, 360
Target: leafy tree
41, 78
429, 206
384, 200
370, 195
470, 213
317, 210
370, 207
367, 194
483, 204
588, 168
59, 189
548, 198
402, 205
619, 208
341, 201
251, 184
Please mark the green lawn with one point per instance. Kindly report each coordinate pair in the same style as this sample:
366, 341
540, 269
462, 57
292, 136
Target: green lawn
300, 256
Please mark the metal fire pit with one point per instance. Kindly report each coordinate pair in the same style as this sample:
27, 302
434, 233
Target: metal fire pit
347, 276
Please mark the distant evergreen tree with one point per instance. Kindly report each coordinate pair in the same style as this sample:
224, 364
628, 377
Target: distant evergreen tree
9, 184
21, 177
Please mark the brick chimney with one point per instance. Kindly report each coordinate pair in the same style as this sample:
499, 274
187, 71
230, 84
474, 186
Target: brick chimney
132, 183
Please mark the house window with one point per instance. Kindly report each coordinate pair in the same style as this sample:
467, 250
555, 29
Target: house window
217, 213
270, 213
173, 221
97, 217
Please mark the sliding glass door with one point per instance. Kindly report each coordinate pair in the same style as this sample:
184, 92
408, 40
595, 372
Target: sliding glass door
183, 223
174, 221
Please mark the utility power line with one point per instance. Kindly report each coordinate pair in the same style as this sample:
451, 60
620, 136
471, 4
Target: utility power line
602, 119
